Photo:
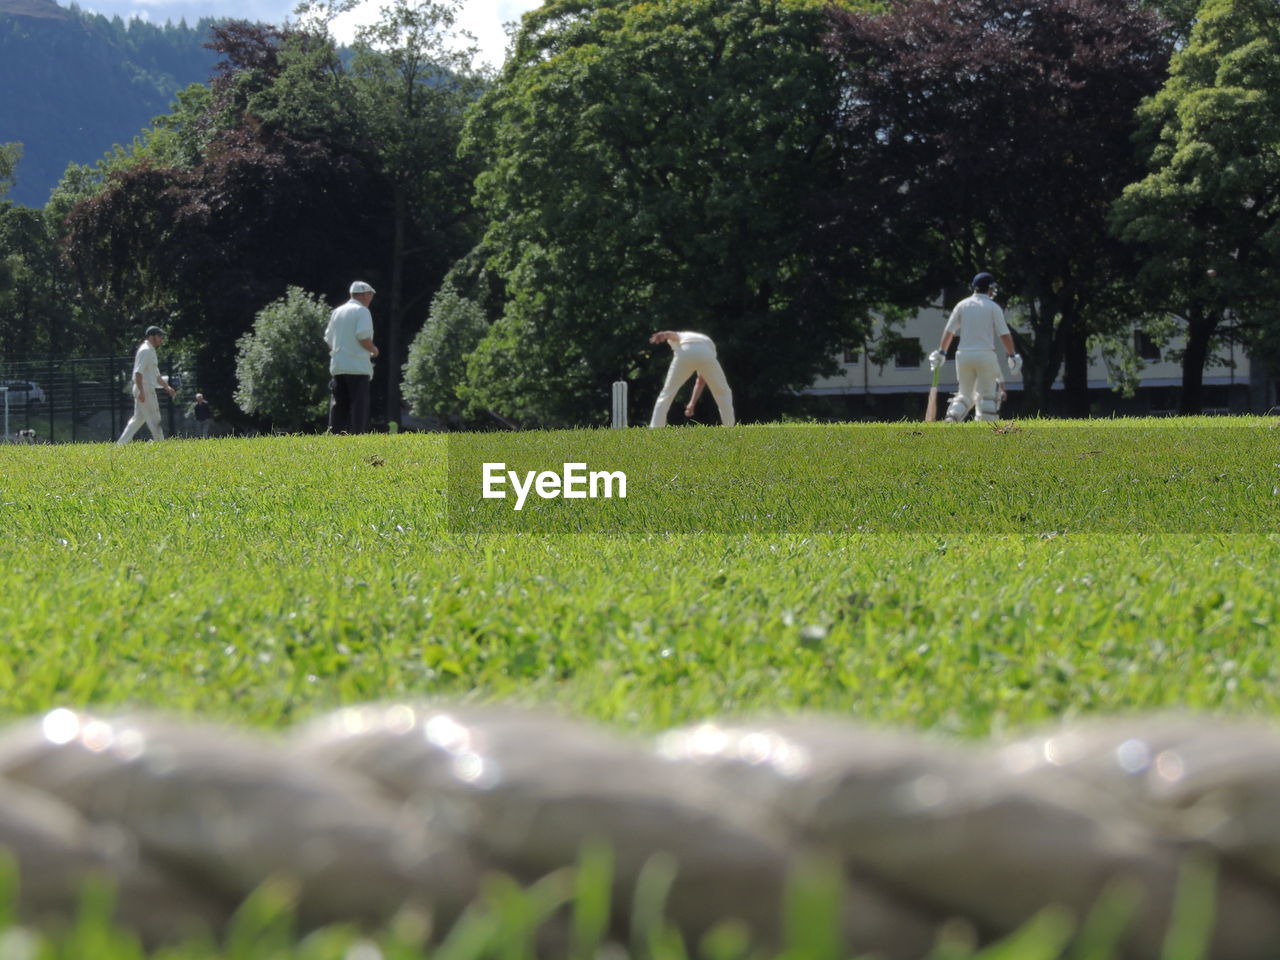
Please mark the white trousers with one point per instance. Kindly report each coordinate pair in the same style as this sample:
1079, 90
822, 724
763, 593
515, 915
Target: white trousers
689, 359
978, 372
148, 413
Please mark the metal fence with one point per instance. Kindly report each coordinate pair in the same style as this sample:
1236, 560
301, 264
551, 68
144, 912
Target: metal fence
83, 399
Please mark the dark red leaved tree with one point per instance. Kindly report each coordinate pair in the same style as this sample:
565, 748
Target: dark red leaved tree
995, 134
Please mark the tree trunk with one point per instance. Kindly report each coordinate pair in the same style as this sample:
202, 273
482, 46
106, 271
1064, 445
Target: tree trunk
1046, 358
1075, 373
395, 322
1200, 329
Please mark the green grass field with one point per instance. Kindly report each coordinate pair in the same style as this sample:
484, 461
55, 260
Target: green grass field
966, 580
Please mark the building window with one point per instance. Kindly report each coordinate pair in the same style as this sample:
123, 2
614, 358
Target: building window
1145, 347
909, 354
852, 357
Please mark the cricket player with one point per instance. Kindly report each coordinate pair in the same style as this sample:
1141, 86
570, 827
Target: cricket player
146, 381
692, 353
977, 321
351, 352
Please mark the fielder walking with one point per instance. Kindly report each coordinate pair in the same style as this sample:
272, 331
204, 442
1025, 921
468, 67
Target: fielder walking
692, 353
351, 352
976, 322
146, 382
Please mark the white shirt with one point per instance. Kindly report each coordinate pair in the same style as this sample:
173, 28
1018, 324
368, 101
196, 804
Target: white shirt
979, 321
146, 362
348, 325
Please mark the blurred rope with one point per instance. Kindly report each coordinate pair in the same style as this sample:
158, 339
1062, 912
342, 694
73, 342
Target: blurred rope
373, 810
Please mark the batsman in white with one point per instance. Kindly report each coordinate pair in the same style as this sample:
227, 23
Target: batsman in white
146, 380
692, 353
977, 321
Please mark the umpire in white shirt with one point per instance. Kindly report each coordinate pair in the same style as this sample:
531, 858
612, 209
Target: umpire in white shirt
351, 352
977, 321
146, 381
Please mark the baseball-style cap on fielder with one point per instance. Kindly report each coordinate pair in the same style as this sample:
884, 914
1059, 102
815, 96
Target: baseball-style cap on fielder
983, 281
155, 332
361, 287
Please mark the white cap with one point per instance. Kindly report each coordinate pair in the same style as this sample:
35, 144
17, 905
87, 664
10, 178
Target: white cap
361, 287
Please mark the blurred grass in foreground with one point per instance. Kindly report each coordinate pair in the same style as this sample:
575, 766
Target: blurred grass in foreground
509, 923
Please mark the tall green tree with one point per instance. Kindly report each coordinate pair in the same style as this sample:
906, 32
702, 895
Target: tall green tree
10, 154
413, 85
659, 165
40, 312
1179, 17
285, 172
995, 135
399, 105
1206, 217
36, 315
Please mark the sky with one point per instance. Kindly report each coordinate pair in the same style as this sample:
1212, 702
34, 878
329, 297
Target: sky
481, 18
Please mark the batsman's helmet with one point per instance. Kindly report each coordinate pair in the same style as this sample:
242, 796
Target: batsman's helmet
983, 282
155, 332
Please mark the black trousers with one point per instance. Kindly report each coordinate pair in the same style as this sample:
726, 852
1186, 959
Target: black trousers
349, 403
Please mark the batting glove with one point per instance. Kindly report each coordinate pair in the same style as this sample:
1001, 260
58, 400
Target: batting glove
1015, 364
936, 359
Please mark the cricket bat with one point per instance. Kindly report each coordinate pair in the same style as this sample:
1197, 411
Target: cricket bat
931, 408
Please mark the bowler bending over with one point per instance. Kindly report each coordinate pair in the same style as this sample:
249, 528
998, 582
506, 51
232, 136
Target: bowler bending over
692, 353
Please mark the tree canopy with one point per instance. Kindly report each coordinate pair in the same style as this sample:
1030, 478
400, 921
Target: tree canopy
289, 170
1207, 214
10, 154
994, 135
771, 172
34, 318
659, 165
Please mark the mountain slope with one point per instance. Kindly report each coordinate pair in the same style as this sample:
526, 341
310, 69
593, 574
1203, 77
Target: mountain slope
76, 84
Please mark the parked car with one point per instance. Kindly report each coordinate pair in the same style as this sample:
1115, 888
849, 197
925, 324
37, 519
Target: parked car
23, 392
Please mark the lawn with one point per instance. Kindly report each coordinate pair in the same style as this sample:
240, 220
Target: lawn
968, 580
945, 578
